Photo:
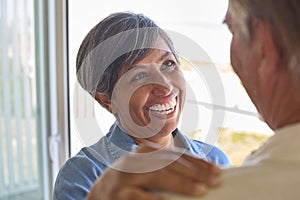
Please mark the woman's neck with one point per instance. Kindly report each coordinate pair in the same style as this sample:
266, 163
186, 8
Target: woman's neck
165, 141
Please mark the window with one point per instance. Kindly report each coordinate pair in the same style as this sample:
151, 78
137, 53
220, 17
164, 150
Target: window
22, 155
33, 103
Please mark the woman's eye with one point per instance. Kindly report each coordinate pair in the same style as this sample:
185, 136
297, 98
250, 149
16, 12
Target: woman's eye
139, 76
169, 65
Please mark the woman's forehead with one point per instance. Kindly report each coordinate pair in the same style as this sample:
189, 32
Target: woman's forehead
154, 56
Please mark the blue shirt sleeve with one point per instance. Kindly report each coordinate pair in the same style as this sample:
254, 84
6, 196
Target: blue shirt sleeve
213, 154
219, 157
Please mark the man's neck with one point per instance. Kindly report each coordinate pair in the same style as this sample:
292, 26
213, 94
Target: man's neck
285, 106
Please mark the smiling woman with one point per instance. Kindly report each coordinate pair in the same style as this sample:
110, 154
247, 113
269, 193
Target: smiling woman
129, 65
153, 91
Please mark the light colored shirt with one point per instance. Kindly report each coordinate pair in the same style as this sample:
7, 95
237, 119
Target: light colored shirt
270, 173
78, 174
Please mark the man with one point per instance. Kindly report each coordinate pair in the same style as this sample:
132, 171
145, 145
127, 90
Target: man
265, 54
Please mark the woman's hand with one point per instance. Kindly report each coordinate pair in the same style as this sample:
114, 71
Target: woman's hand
151, 168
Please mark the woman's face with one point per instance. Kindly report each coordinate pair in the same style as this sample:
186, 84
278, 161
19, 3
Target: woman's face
149, 96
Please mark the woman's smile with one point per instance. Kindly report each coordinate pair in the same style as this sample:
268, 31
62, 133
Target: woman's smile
164, 109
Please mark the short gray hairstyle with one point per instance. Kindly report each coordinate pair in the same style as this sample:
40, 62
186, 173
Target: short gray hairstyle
121, 39
283, 16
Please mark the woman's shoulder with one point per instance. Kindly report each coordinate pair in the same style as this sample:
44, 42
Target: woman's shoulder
76, 176
212, 153
83, 163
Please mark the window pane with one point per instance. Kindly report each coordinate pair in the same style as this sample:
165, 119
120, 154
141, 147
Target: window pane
19, 157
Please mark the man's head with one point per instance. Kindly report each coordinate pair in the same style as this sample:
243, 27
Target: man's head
265, 54
282, 18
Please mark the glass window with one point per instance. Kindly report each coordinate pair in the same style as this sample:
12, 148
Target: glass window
23, 161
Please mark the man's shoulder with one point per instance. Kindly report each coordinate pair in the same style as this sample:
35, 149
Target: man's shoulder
259, 182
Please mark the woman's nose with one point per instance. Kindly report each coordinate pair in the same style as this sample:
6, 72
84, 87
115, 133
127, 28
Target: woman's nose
162, 86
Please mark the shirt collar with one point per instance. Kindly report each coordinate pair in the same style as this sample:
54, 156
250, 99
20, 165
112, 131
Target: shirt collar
120, 143
283, 146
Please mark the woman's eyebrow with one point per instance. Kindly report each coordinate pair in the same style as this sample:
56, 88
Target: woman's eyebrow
166, 54
136, 67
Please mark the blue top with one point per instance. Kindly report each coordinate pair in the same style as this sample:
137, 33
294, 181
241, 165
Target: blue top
78, 174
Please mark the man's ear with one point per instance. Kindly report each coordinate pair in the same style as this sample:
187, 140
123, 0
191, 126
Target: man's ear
270, 52
104, 100
270, 57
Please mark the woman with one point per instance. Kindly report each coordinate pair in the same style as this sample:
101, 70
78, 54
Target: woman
129, 65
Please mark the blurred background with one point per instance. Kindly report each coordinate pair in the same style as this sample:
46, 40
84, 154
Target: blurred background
44, 113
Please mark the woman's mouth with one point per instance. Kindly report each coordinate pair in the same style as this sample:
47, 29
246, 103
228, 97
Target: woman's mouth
164, 109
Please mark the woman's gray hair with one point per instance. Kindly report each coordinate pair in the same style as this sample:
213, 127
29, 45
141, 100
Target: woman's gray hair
121, 39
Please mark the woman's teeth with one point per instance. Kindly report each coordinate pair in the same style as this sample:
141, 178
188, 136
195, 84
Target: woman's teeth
164, 109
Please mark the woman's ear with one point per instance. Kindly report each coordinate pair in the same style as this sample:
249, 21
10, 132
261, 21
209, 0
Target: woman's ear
104, 100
